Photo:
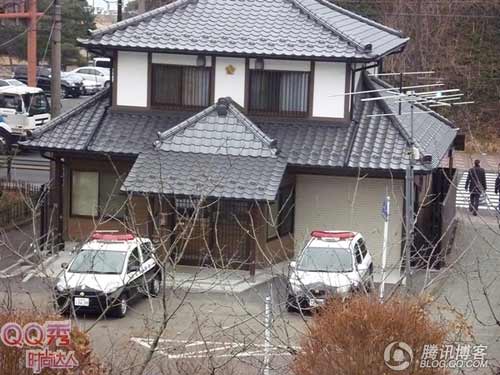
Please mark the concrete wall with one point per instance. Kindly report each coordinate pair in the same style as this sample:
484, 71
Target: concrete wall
329, 80
227, 84
339, 203
132, 79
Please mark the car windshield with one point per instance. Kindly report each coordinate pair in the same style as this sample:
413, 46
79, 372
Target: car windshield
325, 259
11, 101
15, 82
98, 262
36, 103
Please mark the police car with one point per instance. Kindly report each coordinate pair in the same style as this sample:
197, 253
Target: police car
332, 263
107, 272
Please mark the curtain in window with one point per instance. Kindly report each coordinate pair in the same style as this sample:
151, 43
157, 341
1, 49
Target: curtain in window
294, 91
195, 86
84, 193
279, 91
167, 84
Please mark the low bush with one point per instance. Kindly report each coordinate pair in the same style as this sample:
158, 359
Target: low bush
350, 337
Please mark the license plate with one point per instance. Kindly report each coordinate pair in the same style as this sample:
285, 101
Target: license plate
81, 301
316, 302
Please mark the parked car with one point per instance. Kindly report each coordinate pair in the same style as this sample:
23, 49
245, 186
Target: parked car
22, 109
95, 78
332, 263
102, 62
107, 272
11, 82
70, 86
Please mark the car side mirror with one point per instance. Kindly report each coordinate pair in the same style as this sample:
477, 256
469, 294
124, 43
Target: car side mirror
64, 265
292, 265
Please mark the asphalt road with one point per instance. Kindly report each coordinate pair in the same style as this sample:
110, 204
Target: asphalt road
30, 166
202, 329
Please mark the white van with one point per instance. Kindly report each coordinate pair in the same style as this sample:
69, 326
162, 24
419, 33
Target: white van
22, 109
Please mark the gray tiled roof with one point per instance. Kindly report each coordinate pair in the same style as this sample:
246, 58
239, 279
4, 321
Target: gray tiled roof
368, 142
210, 133
209, 175
74, 129
307, 28
217, 152
432, 133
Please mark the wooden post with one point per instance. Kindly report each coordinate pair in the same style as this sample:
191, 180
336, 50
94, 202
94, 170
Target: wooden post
55, 79
253, 246
32, 58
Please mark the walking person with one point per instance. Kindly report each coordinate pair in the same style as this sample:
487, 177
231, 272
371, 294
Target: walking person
497, 187
476, 185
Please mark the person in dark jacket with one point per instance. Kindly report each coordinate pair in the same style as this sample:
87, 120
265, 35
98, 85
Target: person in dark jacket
497, 186
476, 185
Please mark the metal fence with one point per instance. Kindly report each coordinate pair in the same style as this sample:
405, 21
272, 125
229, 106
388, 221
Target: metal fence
17, 200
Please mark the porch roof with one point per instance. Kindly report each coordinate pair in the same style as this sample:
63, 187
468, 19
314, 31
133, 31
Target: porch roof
218, 152
294, 28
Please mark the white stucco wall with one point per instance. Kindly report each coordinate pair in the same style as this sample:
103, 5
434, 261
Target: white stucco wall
329, 80
339, 203
232, 85
176, 59
132, 79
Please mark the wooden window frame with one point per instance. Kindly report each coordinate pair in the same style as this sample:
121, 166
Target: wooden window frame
181, 107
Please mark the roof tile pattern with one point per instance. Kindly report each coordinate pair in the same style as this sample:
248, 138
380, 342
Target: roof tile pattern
224, 176
74, 129
304, 28
368, 142
210, 133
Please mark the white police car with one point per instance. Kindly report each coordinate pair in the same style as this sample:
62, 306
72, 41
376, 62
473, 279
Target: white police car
107, 273
332, 263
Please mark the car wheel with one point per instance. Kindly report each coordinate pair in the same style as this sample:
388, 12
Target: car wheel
120, 307
292, 304
5, 142
107, 84
155, 286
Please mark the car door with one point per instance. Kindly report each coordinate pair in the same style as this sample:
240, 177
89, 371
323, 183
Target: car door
134, 272
97, 75
84, 73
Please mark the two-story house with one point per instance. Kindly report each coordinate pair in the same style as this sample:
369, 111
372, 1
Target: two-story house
239, 105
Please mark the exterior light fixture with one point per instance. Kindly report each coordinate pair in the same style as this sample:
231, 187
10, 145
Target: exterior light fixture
259, 63
201, 60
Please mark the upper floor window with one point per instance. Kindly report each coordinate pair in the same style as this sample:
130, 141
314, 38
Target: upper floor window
180, 86
279, 92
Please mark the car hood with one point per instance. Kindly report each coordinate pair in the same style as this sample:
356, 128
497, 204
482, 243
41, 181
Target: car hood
330, 279
91, 282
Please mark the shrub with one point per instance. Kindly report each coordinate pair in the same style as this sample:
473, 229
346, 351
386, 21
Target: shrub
350, 337
12, 359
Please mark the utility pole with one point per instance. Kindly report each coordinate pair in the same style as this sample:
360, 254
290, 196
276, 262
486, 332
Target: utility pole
410, 215
55, 61
31, 15
119, 15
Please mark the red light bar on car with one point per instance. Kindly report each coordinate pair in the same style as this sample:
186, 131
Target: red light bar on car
333, 235
112, 237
